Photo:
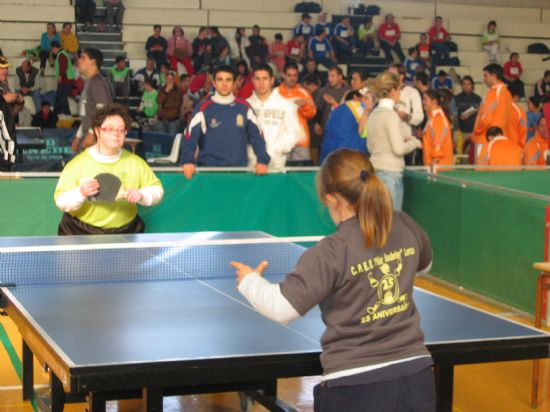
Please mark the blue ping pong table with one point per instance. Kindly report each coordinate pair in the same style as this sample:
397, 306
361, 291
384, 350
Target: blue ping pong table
112, 321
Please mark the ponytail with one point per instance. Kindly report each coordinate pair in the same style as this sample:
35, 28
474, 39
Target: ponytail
375, 212
350, 174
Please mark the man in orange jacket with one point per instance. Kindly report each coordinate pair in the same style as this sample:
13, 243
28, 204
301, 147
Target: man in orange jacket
518, 124
291, 90
495, 110
499, 151
534, 152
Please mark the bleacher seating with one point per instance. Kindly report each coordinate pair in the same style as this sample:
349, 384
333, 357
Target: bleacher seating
518, 27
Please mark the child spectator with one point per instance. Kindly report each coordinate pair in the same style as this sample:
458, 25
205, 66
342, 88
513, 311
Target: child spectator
224, 59
322, 22
163, 71
277, 52
148, 105
156, 46
344, 40
69, 41
533, 115
412, 64
512, 73
119, 79
439, 38
49, 36
320, 49
366, 34
389, 34
304, 27
238, 44
442, 81
490, 41
295, 50
45, 118
180, 51
258, 49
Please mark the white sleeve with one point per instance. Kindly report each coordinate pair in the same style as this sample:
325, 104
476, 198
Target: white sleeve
417, 113
291, 129
71, 200
151, 195
398, 144
267, 299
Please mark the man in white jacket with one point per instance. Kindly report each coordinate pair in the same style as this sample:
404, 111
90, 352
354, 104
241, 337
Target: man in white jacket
277, 117
409, 109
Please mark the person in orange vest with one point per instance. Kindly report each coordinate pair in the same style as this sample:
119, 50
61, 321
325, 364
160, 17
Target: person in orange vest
499, 150
496, 108
534, 152
291, 90
437, 141
518, 124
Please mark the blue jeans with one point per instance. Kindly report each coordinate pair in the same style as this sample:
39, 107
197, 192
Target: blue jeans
394, 184
170, 127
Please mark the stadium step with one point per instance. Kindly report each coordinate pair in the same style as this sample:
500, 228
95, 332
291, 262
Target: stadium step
115, 37
372, 69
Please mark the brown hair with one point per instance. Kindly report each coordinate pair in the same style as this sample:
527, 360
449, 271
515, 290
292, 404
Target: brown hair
350, 174
100, 115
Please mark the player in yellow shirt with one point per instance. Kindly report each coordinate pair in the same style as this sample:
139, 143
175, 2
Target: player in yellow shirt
78, 186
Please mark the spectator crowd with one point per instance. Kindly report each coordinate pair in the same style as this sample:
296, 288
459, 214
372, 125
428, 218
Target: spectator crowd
244, 100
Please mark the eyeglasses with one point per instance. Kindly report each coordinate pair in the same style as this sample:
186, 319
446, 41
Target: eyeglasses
113, 130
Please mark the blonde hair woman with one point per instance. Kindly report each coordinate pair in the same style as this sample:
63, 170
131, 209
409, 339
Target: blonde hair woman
386, 143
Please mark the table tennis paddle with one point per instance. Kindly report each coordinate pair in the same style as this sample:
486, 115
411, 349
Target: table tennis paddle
109, 188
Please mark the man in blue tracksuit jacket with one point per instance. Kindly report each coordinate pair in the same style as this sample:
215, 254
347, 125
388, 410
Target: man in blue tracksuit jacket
222, 126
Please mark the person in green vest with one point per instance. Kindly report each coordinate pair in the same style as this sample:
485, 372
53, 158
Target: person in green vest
148, 106
65, 75
119, 79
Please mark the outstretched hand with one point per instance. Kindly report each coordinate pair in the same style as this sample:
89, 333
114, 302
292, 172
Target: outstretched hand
243, 270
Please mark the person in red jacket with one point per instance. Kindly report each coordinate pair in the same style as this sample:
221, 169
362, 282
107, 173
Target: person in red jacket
439, 38
389, 34
512, 73
534, 152
499, 151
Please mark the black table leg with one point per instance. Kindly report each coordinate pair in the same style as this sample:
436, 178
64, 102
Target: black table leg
28, 373
444, 377
97, 402
268, 398
57, 394
152, 399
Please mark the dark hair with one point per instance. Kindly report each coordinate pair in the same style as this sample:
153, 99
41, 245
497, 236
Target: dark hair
513, 54
278, 36
491, 23
441, 73
264, 67
306, 16
55, 45
546, 73
45, 103
352, 94
469, 78
493, 131
157, 26
422, 78
442, 99
438, 18
178, 27
67, 24
255, 27
114, 109
225, 69
350, 174
120, 58
319, 30
363, 74
290, 65
495, 69
337, 69
183, 77
412, 49
534, 100
368, 19
312, 79
94, 54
